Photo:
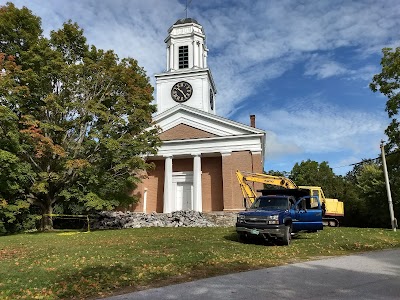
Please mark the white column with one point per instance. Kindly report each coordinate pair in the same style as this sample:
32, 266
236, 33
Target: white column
201, 56
168, 185
168, 57
197, 193
171, 57
145, 200
199, 46
195, 54
205, 59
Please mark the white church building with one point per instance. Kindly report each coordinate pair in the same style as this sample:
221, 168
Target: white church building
201, 151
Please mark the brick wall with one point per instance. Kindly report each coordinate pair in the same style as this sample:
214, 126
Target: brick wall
243, 161
221, 190
257, 168
182, 131
155, 189
212, 184
180, 165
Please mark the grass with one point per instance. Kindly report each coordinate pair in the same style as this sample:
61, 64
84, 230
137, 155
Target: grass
72, 265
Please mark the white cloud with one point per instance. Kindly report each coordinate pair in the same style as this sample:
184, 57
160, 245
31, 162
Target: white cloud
250, 42
365, 73
277, 146
324, 68
131, 28
311, 126
254, 37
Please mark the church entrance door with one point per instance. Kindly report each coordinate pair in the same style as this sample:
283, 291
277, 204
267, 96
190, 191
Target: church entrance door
182, 187
184, 195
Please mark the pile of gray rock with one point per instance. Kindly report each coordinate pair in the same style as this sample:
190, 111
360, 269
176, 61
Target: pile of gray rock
119, 220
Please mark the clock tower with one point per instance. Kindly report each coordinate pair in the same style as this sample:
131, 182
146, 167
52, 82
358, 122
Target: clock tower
187, 79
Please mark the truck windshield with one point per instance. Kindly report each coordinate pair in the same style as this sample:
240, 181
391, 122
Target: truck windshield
271, 203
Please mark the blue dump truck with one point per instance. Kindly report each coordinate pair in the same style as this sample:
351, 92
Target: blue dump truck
278, 213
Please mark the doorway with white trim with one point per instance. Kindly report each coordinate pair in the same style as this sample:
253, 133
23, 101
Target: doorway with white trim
182, 186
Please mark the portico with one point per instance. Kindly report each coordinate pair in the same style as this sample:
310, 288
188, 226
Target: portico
182, 190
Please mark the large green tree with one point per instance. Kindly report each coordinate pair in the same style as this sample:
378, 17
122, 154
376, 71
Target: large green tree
312, 173
371, 185
388, 83
83, 116
15, 176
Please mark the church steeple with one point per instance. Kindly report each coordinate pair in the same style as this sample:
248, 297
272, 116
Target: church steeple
187, 79
186, 46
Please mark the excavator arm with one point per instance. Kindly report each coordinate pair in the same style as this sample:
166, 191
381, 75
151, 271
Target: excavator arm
270, 179
248, 192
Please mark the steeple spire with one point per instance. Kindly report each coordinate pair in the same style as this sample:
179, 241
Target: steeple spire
187, 7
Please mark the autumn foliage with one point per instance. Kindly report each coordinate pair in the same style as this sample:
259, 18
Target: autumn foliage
76, 120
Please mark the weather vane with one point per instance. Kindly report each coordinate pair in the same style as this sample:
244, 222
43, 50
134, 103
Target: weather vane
187, 7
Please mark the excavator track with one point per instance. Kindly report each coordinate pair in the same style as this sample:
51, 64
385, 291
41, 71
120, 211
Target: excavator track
331, 222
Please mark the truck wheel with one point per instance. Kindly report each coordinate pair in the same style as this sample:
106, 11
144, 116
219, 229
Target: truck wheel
287, 236
243, 238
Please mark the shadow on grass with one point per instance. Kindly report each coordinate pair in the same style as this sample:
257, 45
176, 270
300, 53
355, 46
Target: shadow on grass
90, 281
259, 240
101, 281
355, 247
254, 240
299, 236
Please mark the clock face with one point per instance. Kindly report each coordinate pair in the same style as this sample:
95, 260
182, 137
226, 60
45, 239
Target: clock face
211, 100
181, 91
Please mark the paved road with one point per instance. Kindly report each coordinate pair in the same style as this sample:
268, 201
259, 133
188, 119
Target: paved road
374, 275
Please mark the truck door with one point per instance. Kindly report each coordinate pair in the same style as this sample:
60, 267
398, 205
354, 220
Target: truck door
306, 216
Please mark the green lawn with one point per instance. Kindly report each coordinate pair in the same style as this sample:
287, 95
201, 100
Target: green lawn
71, 265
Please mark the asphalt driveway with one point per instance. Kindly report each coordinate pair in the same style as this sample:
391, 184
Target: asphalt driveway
372, 275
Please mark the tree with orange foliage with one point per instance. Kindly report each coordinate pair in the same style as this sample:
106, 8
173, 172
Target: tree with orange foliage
83, 116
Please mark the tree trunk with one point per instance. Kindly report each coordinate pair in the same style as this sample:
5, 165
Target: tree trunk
47, 221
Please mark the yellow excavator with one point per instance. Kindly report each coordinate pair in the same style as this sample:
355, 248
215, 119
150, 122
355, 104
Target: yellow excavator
332, 208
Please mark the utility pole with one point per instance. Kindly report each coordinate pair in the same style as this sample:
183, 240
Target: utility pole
389, 194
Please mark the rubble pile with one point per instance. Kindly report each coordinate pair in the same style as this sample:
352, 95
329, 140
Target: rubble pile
119, 220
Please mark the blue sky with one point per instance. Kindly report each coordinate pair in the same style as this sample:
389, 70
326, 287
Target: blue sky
302, 67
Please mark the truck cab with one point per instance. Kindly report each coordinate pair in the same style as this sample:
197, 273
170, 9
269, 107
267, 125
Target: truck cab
277, 216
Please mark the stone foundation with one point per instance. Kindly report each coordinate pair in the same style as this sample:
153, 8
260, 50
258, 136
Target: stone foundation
221, 218
119, 220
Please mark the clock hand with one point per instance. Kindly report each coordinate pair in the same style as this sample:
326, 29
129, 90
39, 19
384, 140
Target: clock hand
183, 94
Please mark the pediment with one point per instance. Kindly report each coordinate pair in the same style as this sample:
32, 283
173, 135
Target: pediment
183, 132
199, 124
